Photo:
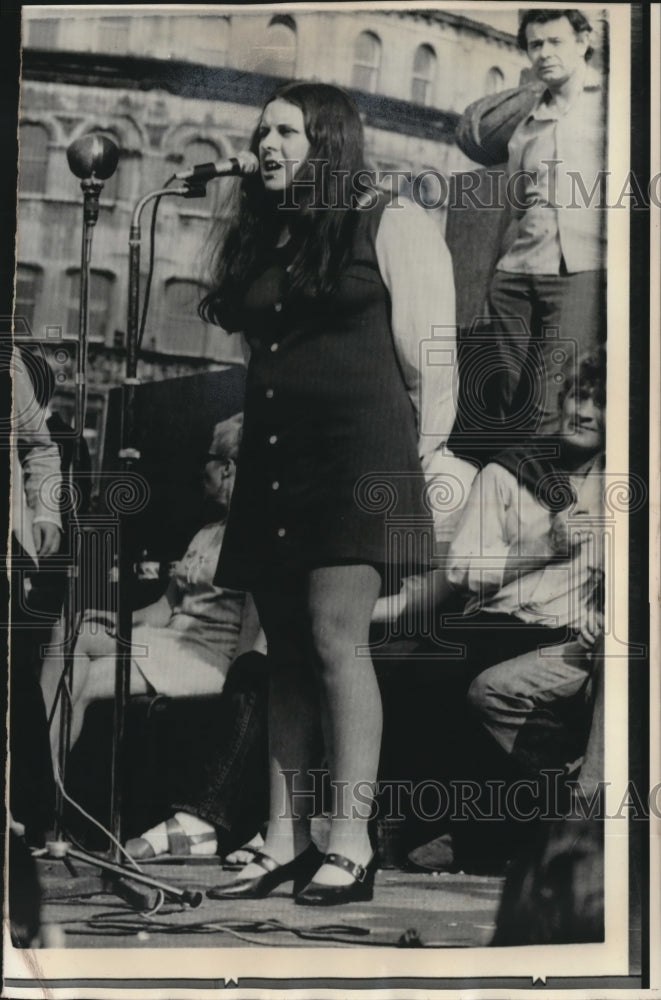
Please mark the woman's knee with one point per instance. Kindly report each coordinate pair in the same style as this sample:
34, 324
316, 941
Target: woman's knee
336, 644
100, 681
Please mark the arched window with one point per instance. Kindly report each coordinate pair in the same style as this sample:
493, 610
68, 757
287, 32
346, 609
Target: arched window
181, 329
28, 290
424, 74
101, 288
278, 50
33, 158
495, 81
366, 62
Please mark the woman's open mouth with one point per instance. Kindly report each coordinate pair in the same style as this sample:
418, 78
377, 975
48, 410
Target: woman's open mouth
270, 166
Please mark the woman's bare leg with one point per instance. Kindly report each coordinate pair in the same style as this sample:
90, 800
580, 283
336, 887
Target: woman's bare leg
341, 601
93, 643
100, 683
293, 723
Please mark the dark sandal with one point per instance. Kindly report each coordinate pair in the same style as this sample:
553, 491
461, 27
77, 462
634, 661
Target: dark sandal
360, 890
300, 871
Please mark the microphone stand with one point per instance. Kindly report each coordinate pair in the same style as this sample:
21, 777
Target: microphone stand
88, 154
129, 455
94, 159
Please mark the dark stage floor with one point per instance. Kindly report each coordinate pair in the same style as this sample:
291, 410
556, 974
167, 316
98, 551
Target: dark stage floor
440, 910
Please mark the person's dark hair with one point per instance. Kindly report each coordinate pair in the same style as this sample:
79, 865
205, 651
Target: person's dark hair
589, 377
322, 235
577, 20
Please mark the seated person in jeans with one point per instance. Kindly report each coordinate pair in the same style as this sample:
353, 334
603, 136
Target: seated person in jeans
185, 642
528, 552
229, 803
521, 558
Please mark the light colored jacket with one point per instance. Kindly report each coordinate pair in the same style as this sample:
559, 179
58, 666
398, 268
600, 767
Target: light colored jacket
36, 470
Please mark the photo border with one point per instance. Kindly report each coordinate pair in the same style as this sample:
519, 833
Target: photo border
642, 711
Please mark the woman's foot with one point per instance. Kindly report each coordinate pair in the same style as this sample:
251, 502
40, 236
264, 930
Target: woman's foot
264, 874
244, 855
183, 835
282, 845
360, 853
359, 888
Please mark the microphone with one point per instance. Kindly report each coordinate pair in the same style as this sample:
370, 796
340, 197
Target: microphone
93, 156
236, 166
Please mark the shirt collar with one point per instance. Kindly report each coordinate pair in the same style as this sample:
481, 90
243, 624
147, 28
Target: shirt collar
591, 466
545, 108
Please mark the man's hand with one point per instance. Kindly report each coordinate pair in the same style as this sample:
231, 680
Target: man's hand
389, 609
592, 627
567, 533
46, 536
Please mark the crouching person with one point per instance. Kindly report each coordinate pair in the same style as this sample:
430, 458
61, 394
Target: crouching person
533, 705
527, 553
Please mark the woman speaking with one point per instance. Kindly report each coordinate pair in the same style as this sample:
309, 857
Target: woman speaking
316, 279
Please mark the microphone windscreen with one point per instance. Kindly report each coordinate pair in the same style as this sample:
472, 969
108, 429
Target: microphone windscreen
93, 156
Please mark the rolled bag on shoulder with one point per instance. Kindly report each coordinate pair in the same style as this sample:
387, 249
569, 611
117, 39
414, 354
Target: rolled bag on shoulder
486, 126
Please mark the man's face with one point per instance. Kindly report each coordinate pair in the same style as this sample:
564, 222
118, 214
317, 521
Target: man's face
582, 422
555, 50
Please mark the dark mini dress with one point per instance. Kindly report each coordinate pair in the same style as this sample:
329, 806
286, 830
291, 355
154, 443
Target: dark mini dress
328, 470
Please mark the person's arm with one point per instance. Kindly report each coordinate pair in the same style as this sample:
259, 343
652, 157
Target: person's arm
416, 268
40, 463
420, 595
159, 613
483, 556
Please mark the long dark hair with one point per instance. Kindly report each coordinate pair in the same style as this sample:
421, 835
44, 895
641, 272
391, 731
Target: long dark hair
322, 222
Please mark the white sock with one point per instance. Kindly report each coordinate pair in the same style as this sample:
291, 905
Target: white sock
158, 835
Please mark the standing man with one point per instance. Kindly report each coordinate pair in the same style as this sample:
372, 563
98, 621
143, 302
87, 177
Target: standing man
547, 295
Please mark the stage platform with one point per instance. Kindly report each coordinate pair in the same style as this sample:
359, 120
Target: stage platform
408, 910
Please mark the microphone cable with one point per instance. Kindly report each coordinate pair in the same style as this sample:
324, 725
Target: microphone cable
76, 805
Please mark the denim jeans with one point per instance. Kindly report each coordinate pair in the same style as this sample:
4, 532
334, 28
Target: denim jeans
233, 791
534, 705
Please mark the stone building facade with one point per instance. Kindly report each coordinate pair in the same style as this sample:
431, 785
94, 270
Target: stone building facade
177, 87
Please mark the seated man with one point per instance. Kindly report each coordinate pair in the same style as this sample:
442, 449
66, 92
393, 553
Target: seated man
527, 551
537, 565
185, 642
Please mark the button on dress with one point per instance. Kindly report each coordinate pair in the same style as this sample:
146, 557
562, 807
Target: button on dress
328, 470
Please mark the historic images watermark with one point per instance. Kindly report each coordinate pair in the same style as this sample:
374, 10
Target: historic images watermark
323, 188
551, 795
